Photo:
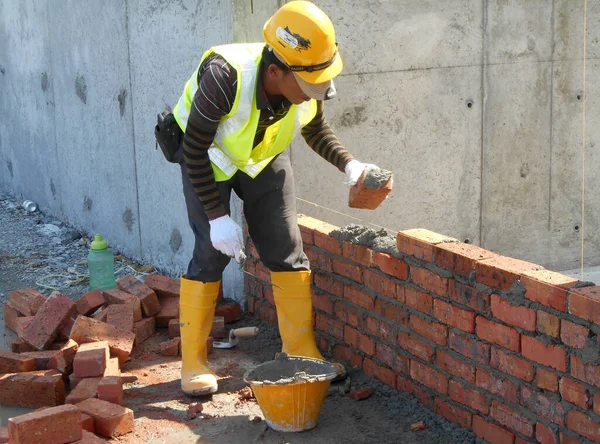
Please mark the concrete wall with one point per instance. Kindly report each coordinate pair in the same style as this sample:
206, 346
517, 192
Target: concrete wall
506, 172
81, 83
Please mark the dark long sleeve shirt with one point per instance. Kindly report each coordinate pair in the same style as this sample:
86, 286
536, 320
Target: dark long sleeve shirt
217, 83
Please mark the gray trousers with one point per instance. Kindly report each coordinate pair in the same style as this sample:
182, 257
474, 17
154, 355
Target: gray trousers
270, 211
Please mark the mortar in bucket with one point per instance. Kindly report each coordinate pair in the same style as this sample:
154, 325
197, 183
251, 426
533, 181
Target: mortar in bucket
291, 390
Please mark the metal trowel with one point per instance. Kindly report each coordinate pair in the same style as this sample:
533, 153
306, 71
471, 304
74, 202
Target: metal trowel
235, 335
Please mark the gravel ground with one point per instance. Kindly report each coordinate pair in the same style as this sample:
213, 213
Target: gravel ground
38, 251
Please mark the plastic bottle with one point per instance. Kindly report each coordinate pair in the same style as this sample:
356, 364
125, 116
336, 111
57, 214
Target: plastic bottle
101, 265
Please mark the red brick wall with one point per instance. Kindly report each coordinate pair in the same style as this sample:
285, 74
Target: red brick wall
495, 344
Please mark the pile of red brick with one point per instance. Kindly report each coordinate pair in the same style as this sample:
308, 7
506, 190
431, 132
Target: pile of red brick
71, 353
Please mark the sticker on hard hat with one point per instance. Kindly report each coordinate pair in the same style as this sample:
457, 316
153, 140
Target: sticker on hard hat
293, 40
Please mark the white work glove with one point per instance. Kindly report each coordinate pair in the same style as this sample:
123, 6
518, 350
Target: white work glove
354, 169
226, 236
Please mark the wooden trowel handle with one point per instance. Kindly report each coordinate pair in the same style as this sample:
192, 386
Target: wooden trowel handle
245, 331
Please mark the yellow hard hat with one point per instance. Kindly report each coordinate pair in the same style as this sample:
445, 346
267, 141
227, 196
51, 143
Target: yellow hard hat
303, 37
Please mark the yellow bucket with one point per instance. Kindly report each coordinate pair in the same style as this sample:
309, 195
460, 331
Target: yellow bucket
291, 390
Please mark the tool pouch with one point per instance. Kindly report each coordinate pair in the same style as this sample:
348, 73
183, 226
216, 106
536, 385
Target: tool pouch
168, 135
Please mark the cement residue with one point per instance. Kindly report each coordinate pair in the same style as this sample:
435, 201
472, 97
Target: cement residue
379, 240
376, 178
288, 369
591, 351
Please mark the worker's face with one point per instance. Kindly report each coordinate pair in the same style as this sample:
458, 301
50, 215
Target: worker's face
287, 85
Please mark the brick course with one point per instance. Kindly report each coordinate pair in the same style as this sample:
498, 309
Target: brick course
495, 344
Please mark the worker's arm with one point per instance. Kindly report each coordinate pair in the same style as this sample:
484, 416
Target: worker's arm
321, 138
213, 99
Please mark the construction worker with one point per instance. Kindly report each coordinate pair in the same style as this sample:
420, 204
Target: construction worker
239, 112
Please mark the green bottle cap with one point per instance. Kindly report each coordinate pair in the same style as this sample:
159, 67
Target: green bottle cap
98, 243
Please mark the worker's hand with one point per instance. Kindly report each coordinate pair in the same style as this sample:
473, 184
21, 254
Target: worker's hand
354, 169
226, 236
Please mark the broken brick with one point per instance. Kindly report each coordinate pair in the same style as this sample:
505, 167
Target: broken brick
32, 389
15, 363
148, 298
90, 302
128, 377
65, 328
22, 324
218, 327
55, 424
91, 359
144, 329
360, 394
44, 327
20, 346
170, 347
112, 367
163, 286
110, 389
121, 316
174, 328
230, 310
170, 310
87, 423
10, 316
41, 358
116, 296
27, 301
361, 196
63, 359
89, 330
85, 389
110, 420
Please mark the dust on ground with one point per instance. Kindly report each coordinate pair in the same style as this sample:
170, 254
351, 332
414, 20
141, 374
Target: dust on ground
30, 250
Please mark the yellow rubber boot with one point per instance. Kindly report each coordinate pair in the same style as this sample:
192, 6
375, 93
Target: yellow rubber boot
196, 312
293, 300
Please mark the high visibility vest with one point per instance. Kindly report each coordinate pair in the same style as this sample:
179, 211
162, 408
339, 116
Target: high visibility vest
232, 148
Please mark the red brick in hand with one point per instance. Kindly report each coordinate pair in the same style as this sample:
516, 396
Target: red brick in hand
27, 301
61, 424
116, 296
89, 330
44, 327
91, 359
111, 420
148, 298
90, 302
163, 286
110, 389
15, 363
32, 389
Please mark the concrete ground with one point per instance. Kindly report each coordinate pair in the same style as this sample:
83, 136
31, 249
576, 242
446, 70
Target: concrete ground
35, 255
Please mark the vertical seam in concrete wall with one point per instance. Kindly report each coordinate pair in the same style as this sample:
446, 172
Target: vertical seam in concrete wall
481, 160
53, 88
552, 43
135, 170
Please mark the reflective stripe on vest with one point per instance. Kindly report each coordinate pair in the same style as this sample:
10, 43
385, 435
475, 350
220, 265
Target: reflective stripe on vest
232, 146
